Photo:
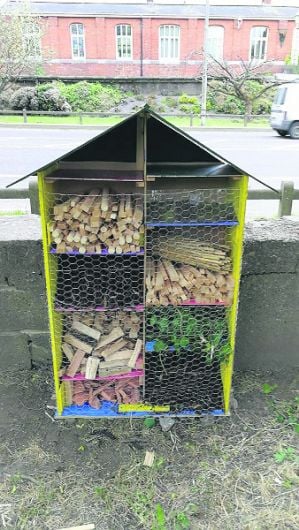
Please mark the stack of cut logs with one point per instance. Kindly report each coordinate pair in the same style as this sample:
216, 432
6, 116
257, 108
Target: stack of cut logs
92, 392
98, 222
176, 284
102, 344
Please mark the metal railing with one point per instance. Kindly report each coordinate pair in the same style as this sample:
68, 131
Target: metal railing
286, 195
244, 119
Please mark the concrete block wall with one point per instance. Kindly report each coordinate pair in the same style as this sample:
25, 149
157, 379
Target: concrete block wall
24, 336
267, 333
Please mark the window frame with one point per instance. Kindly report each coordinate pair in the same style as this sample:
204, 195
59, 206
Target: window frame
170, 59
117, 37
260, 40
219, 27
75, 58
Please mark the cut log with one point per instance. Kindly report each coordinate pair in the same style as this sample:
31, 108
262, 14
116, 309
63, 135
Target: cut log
75, 363
115, 334
77, 343
86, 330
68, 351
149, 459
86, 204
135, 354
91, 367
109, 350
123, 355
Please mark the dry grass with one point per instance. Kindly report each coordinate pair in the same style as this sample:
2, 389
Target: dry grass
207, 475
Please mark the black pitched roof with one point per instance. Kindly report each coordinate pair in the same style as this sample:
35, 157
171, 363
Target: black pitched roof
262, 12
165, 142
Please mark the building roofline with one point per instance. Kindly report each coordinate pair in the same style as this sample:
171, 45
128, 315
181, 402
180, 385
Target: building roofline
158, 11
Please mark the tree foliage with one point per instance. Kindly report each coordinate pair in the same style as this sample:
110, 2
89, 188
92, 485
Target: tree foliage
20, 34
246, 81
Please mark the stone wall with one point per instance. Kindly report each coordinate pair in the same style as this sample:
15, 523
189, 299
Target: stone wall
268, 331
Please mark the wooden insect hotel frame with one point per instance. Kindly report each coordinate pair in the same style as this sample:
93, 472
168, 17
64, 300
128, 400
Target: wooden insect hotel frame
142, 238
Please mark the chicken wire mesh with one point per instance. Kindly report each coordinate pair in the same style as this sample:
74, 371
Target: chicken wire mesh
188, 265
98, 222
99, 282
192, 206
183, 353
102, 357
184, 262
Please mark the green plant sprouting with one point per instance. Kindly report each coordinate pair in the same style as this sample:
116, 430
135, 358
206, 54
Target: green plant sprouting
181, 329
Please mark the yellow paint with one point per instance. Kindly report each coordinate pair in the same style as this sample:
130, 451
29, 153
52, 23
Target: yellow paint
140, 407
237, 234
50, 266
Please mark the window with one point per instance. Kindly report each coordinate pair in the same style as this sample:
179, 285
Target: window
280, 96
31, 38
215, 42
258, 43
77, 41
169, 43
124, 41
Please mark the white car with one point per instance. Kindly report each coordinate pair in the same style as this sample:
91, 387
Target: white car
284, 116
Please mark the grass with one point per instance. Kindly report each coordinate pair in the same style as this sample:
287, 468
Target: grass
183, 121
11, 213
212, 474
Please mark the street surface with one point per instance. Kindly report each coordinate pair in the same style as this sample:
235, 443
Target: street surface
263, 154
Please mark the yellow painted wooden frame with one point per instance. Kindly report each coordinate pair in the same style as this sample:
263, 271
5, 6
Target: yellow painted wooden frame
50, 267
237, 235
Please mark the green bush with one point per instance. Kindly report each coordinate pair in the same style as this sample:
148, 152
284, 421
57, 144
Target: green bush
50, 98
43, 97
89, 97
24, 98
230, 104
224, 104
170, 102
185, 99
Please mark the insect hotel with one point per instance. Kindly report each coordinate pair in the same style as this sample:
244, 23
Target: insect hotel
142, 238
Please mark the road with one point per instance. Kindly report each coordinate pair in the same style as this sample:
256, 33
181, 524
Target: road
263, 154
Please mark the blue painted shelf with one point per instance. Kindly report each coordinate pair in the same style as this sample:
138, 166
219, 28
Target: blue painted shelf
110, 410
165, 224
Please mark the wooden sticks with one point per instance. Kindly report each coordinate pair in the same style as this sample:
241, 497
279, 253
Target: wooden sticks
176, 284
102, 343
203, 254
97, 222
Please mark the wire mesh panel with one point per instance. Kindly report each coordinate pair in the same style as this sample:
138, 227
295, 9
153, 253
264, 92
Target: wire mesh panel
184, 350
191, 206
188, 274
98, 222
102, 357
188, 266
99, 282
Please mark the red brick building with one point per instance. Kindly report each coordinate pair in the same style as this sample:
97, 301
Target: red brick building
159, 40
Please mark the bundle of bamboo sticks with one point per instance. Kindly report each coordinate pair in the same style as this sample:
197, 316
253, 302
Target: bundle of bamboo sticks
211, 256
176, 284
96, 222
96, 344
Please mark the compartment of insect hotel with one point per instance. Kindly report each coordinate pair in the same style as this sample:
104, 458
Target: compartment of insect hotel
142, 249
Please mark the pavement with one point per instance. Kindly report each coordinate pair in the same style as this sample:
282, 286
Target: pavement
261, 153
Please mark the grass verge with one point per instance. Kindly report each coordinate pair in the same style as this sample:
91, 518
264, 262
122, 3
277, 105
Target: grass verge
183, 121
